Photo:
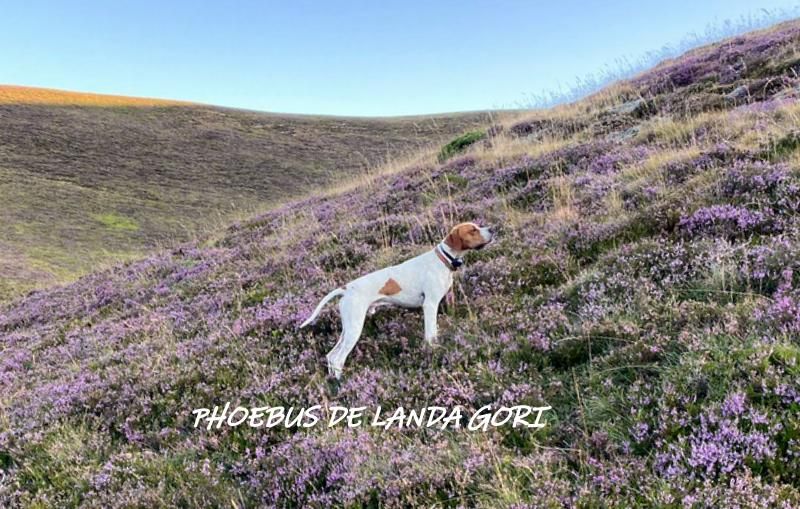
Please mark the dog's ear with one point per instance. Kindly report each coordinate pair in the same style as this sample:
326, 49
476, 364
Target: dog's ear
454, 240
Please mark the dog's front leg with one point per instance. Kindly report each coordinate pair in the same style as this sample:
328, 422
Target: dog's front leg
430, 308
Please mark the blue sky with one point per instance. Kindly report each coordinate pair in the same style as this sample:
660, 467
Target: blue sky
344, 58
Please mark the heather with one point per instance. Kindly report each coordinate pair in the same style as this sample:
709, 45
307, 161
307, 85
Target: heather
645, 284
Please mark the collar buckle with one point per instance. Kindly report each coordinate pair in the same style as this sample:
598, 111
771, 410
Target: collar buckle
451, 261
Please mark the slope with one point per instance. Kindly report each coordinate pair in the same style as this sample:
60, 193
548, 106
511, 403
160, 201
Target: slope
644, 284
88, 179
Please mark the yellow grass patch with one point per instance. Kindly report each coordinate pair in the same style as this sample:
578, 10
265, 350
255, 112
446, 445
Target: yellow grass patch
791, 111
506, 149
613, 202
653, 164
12, 94
612, 95
794, 160
665, 129
562, 194
745, 130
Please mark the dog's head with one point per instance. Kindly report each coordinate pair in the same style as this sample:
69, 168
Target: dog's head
466, 236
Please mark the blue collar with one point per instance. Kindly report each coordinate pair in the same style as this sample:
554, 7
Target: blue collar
451, 261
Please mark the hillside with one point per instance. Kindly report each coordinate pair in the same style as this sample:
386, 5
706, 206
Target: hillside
88, 179
644, 283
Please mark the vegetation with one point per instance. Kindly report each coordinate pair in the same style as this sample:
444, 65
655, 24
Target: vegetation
459, 144
117, 222
644, 284
626, 66
12, 95
176, 170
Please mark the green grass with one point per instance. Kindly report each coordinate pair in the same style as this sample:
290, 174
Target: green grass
117, 222
784, 146
460, 144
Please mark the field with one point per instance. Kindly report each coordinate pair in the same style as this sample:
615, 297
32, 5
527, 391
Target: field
645, 284
15, 95
87, 180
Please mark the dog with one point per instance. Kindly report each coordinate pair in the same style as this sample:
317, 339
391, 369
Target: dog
421, 281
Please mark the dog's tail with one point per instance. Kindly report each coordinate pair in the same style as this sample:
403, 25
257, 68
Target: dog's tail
335, 293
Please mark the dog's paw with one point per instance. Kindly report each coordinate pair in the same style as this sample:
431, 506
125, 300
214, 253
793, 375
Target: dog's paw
334, 384
433, 344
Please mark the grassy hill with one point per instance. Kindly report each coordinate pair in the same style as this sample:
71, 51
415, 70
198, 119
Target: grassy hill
644, 284
87, 179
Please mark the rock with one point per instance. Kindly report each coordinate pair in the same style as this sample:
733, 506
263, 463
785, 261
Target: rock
738, 93
623, 135
638, 108
627, 108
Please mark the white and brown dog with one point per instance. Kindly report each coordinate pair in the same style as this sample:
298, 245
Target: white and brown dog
421, 281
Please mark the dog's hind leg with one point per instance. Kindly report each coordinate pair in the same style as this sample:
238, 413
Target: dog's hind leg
334, 353
353, 314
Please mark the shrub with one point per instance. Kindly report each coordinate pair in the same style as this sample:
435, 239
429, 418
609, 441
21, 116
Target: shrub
459, 144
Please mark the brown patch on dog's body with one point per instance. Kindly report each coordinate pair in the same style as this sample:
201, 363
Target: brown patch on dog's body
390, 288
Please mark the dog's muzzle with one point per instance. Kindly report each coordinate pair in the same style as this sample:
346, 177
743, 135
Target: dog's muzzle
486, 233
